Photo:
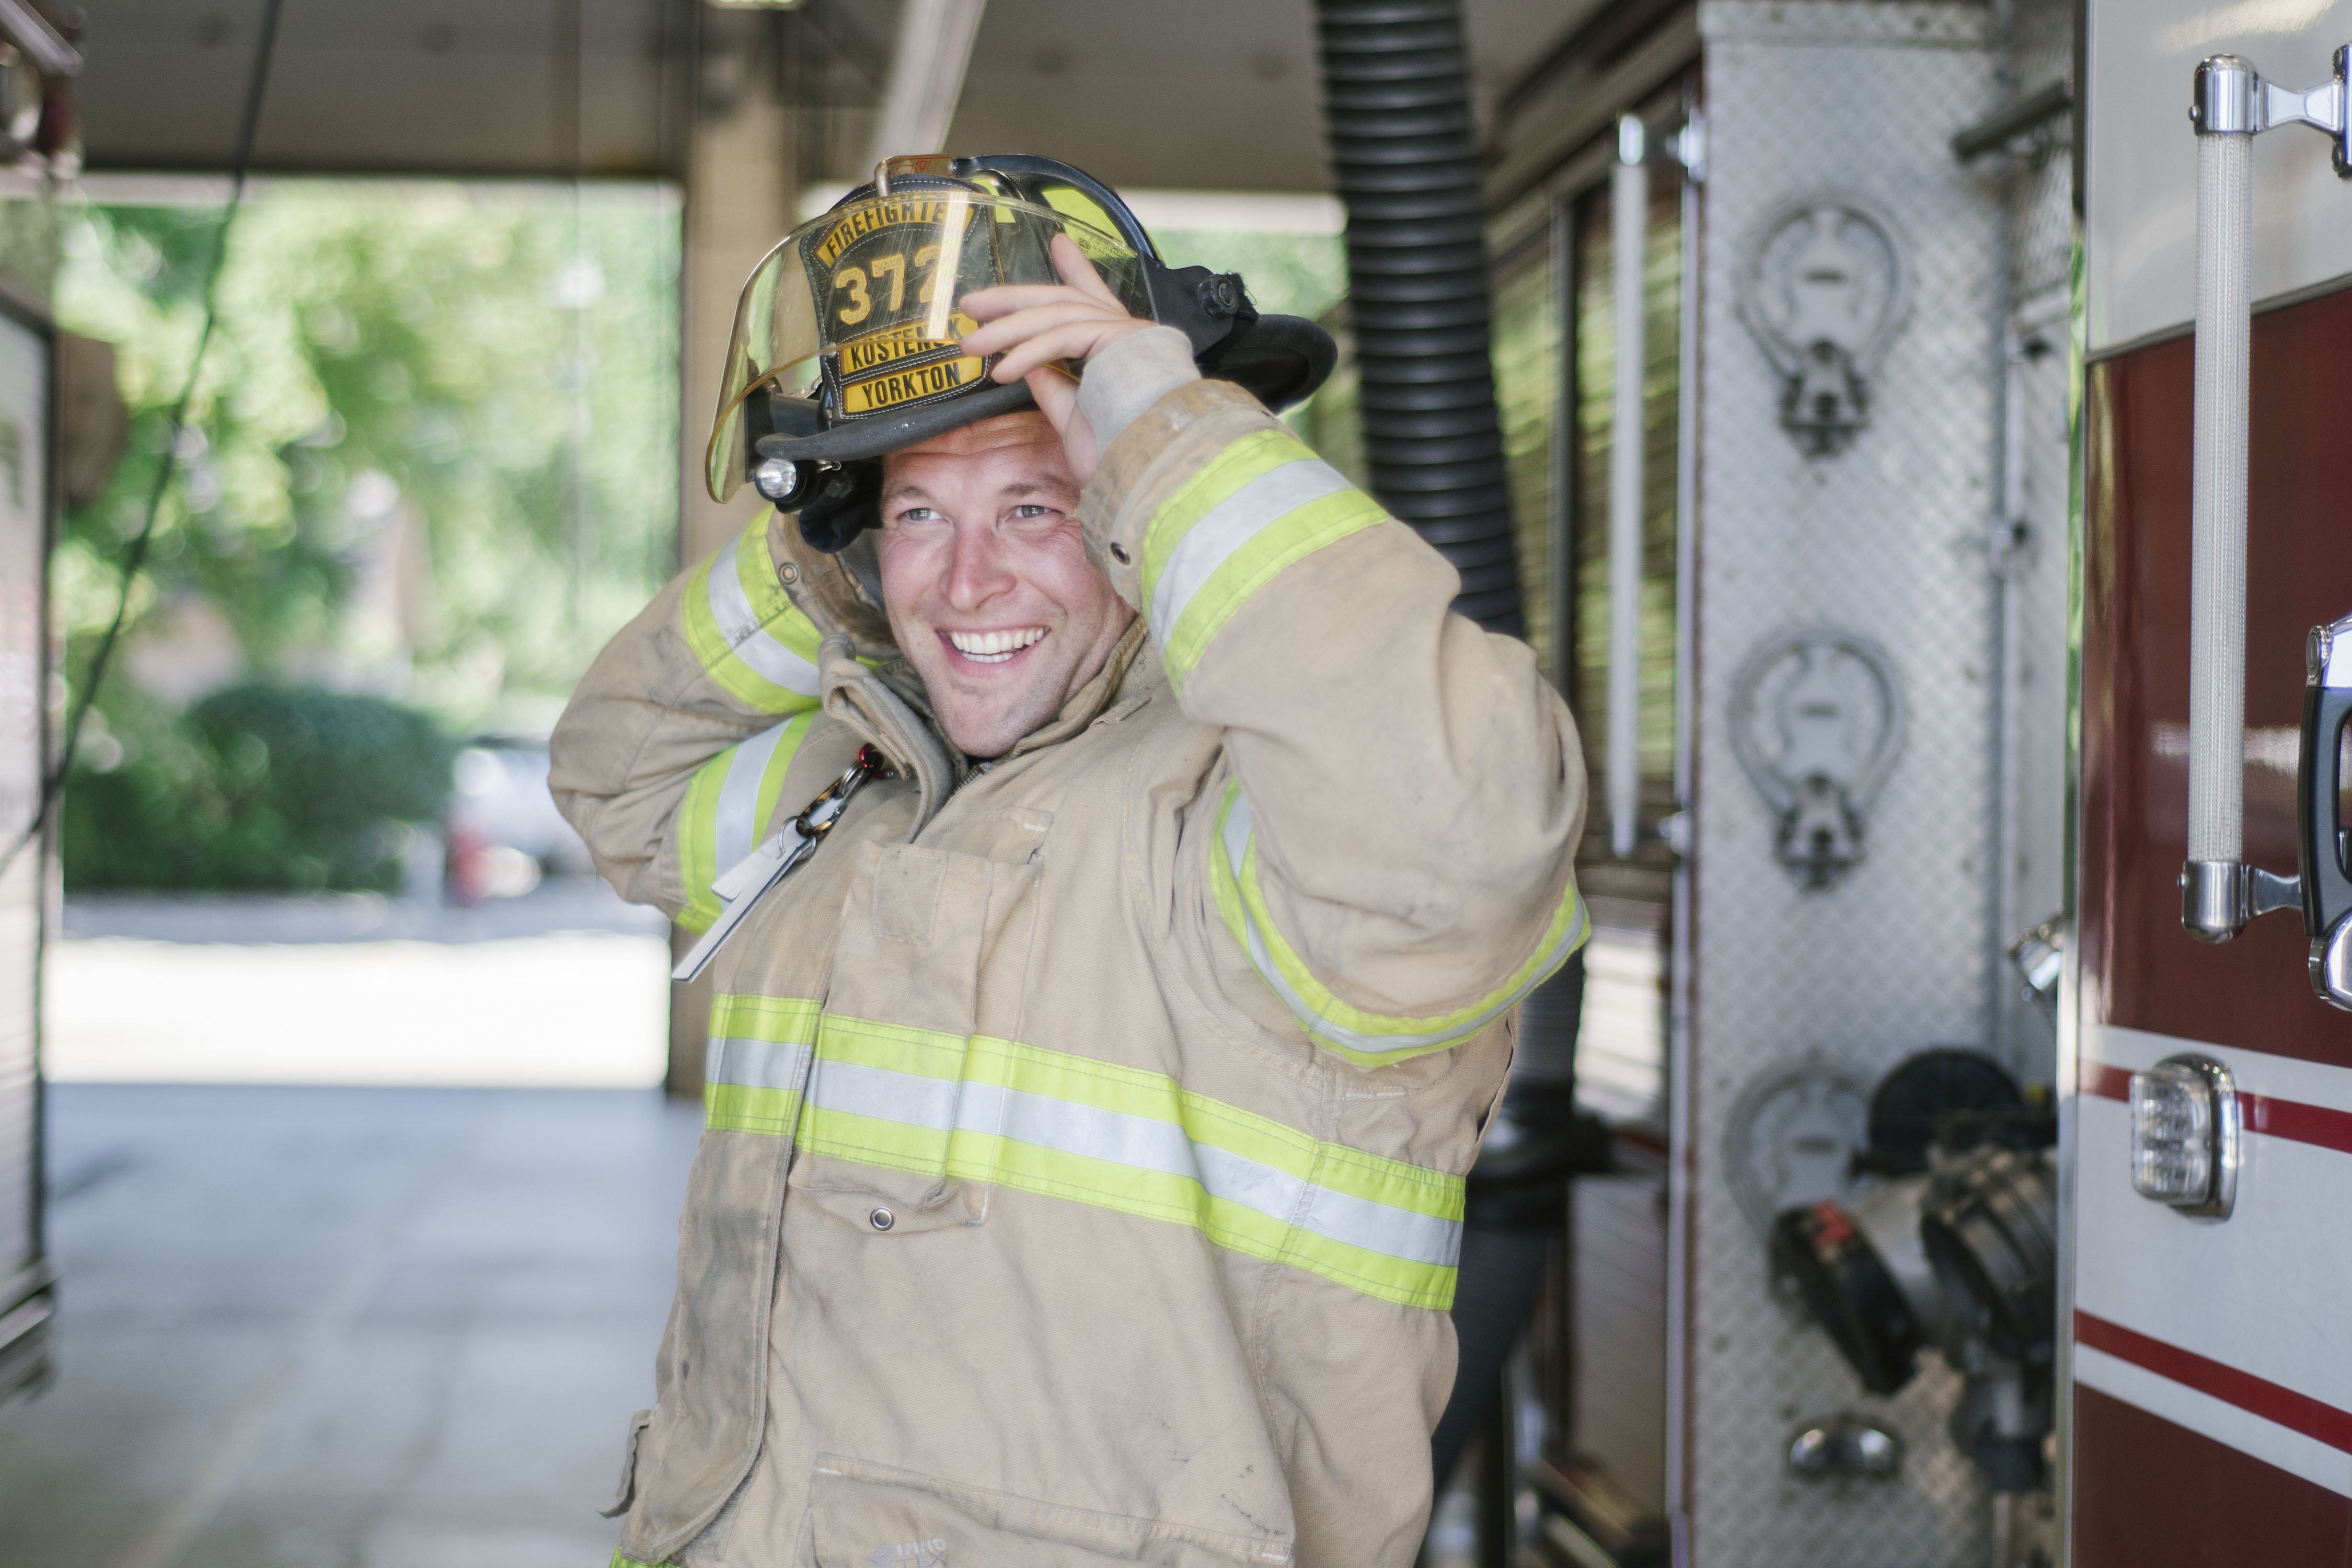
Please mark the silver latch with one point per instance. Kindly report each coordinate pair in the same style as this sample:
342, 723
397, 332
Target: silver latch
1824, 284
2232, 100
1816, 723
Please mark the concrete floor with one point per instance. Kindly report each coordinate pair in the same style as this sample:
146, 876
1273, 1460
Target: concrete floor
565, 988
338, 1328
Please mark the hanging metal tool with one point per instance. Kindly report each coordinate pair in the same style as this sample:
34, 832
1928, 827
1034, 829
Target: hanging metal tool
751, 878
1824, 284
1816, 723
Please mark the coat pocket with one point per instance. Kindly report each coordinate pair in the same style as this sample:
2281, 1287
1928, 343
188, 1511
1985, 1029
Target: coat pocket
865, 1515
932, 950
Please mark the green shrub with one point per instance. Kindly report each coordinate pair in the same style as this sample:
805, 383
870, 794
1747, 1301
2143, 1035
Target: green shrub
262, 787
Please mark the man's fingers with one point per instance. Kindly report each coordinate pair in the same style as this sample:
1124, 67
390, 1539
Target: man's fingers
1007, 331
1080, 273
1031, 325
990, 304
1077, 340
1056, 393
1080, 281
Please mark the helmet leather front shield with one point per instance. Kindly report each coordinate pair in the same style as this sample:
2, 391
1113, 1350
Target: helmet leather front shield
861, 310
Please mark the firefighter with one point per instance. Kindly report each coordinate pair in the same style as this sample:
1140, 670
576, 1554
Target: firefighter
1088, 1112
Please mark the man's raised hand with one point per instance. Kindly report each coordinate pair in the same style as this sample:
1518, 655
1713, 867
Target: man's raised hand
1037, 325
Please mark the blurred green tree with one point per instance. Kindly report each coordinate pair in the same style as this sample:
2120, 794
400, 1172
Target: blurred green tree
495, 366
432, 457
263, 786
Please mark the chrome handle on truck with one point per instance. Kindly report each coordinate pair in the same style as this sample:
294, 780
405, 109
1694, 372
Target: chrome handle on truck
2218, 891
2327, 884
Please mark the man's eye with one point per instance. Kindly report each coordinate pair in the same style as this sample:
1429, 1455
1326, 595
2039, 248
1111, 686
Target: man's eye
918, 514
1029, 509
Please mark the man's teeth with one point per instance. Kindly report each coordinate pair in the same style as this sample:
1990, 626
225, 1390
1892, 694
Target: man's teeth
994, 647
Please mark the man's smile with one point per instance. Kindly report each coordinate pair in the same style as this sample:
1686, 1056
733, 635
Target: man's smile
993, 647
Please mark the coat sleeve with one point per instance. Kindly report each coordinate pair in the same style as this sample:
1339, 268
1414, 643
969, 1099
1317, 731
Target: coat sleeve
671, 754
1392, 830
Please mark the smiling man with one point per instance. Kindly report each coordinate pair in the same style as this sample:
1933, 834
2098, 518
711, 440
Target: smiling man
1088, 1110
984, 572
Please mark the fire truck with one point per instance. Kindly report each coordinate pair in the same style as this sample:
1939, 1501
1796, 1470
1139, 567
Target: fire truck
1923, 428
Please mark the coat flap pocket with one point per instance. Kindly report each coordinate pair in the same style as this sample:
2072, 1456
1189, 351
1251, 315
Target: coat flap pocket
933, 946
872, 1516
921, 930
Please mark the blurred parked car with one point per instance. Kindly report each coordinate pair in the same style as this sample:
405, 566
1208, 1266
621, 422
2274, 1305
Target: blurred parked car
504, 832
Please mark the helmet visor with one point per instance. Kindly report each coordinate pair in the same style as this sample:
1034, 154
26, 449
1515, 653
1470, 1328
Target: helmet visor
862, 309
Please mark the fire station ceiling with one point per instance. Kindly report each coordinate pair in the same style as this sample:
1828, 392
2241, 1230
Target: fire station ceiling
1211, 94
463, 86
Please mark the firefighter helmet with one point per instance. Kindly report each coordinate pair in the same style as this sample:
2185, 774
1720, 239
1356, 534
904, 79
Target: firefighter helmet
847, 340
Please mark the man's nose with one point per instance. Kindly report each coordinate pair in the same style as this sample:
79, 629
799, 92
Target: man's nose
979, 570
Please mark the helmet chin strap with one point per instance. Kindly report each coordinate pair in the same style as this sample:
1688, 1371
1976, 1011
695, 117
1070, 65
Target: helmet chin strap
862, 559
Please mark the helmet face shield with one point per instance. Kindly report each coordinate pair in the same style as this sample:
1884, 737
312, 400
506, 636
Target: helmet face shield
861, 309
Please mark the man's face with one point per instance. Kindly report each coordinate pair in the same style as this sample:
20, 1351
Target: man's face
985, 573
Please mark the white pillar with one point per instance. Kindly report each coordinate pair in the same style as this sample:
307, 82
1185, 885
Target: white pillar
741, 192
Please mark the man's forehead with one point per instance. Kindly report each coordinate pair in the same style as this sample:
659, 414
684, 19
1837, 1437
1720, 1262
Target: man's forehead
1003, 434
1021, 449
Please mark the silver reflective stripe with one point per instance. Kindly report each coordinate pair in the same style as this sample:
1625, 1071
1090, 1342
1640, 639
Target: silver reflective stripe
1381, 1227
757, 1064
1140, 1143
1254, 1184
1232, 523
1143, 1141
739, 625
902, 1097
1235, 842
738, 827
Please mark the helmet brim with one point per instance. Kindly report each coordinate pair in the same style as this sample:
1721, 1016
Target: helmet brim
1280, 359
878, 433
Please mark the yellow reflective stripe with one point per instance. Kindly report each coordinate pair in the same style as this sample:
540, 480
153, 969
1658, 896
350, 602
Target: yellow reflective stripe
1261, 504
1260, 452
726, 809
883, 1094
1254, 563
744, 631
698, 850
623, 1560
758, 1062
1368, 1039
1113, 1137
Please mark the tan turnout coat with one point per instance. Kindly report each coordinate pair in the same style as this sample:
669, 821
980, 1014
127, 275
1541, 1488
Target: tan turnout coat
1086, 1128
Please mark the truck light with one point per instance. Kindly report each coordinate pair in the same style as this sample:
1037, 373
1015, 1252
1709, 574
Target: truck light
2186, 1129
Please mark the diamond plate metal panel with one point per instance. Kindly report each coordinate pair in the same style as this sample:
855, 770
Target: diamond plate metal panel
2041, 195
1883, 540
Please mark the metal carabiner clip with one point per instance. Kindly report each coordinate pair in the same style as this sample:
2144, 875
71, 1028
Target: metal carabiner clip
746, 882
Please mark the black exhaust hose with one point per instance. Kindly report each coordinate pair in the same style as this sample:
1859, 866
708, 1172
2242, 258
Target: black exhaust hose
1404, 159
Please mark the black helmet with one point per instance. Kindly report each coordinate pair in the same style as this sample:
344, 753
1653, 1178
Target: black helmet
847, 337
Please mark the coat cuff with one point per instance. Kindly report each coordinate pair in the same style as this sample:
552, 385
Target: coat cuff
1126, 379
1180, 434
